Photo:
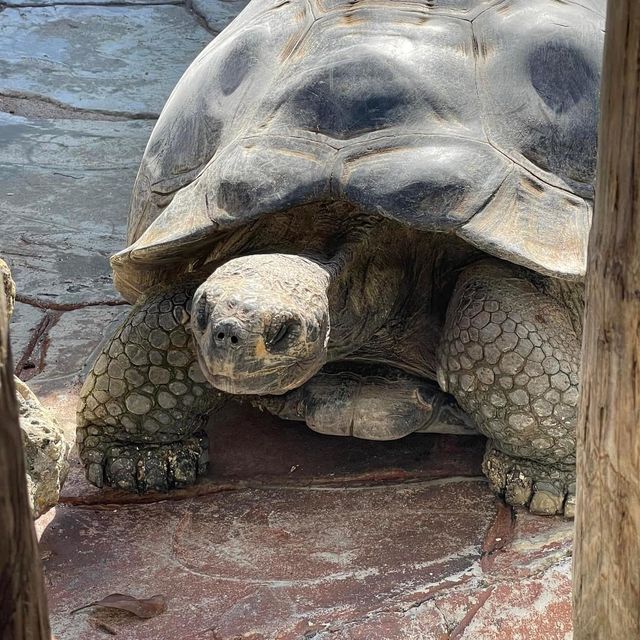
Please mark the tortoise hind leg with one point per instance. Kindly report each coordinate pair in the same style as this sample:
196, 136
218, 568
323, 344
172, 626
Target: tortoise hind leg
371, 402
510, 356
146, 400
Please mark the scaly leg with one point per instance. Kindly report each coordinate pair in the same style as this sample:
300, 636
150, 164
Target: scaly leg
146, 400
511, 357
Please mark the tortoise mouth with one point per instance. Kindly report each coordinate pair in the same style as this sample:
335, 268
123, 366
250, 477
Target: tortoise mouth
274, 380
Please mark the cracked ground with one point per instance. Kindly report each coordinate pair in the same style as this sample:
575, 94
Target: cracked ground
292, 534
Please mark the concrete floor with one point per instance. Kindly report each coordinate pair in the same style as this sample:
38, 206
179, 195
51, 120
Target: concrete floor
292, 535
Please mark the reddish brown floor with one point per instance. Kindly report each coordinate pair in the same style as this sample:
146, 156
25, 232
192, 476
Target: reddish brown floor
299, 536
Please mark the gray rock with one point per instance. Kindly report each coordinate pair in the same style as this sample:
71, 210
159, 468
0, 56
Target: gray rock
50, 3
120, 59
67, 184
8, 285
24, 323
73, 342
45, 446
46, 450
218, 13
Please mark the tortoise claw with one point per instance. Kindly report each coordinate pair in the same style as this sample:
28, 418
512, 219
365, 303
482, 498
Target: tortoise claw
152, 467
544, 489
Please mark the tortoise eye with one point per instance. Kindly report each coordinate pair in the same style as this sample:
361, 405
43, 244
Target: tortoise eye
280, 335
202, 315
279, 331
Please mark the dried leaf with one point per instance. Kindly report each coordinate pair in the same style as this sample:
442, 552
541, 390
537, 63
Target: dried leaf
142, 608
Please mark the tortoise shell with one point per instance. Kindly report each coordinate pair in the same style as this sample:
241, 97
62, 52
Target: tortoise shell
476, 118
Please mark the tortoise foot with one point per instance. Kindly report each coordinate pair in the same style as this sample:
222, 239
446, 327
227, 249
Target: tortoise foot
374, 402
146, 467
545, 490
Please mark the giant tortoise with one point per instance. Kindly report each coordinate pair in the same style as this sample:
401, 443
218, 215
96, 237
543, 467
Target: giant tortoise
349, 209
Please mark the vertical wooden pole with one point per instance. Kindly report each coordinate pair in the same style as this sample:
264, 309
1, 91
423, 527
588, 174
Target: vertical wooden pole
23, 606
607, 548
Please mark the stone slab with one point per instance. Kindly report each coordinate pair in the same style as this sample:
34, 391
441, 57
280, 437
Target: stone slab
536, 608
271, 563
525, 591
217, 14
65, 187
119, 59
521, 590
50, 3
321, 563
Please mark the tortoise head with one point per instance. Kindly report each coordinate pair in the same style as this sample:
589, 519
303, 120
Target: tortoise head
261, 323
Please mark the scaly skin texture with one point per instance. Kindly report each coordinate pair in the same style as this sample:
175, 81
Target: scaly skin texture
146, 400
510, 356
371, 402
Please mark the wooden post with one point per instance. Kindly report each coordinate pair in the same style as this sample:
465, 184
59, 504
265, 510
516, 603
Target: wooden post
23, 606
607, 547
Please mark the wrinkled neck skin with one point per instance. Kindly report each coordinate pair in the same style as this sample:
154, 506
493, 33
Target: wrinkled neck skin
366, 283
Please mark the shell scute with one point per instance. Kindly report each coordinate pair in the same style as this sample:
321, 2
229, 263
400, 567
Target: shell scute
447, 115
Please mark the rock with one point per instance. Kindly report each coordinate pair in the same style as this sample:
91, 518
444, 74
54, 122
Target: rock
46, 451
73, 342
57, 239
100, 3
218, 14
25, 322
121, 61
45, 446
278, 563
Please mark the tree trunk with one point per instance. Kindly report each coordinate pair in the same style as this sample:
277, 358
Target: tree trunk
23, 606
607, 548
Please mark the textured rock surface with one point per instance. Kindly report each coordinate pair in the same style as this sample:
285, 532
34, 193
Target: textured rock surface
217, 14
73, 341
8, 285
25, 323
98, 57
67, 185
45, 445
304, 536
46, 449
49, 3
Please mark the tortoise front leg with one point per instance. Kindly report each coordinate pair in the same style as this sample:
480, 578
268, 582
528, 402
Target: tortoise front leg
369, 401
510, 356
145, 401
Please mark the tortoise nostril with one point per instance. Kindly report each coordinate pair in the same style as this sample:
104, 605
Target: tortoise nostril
229, 333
